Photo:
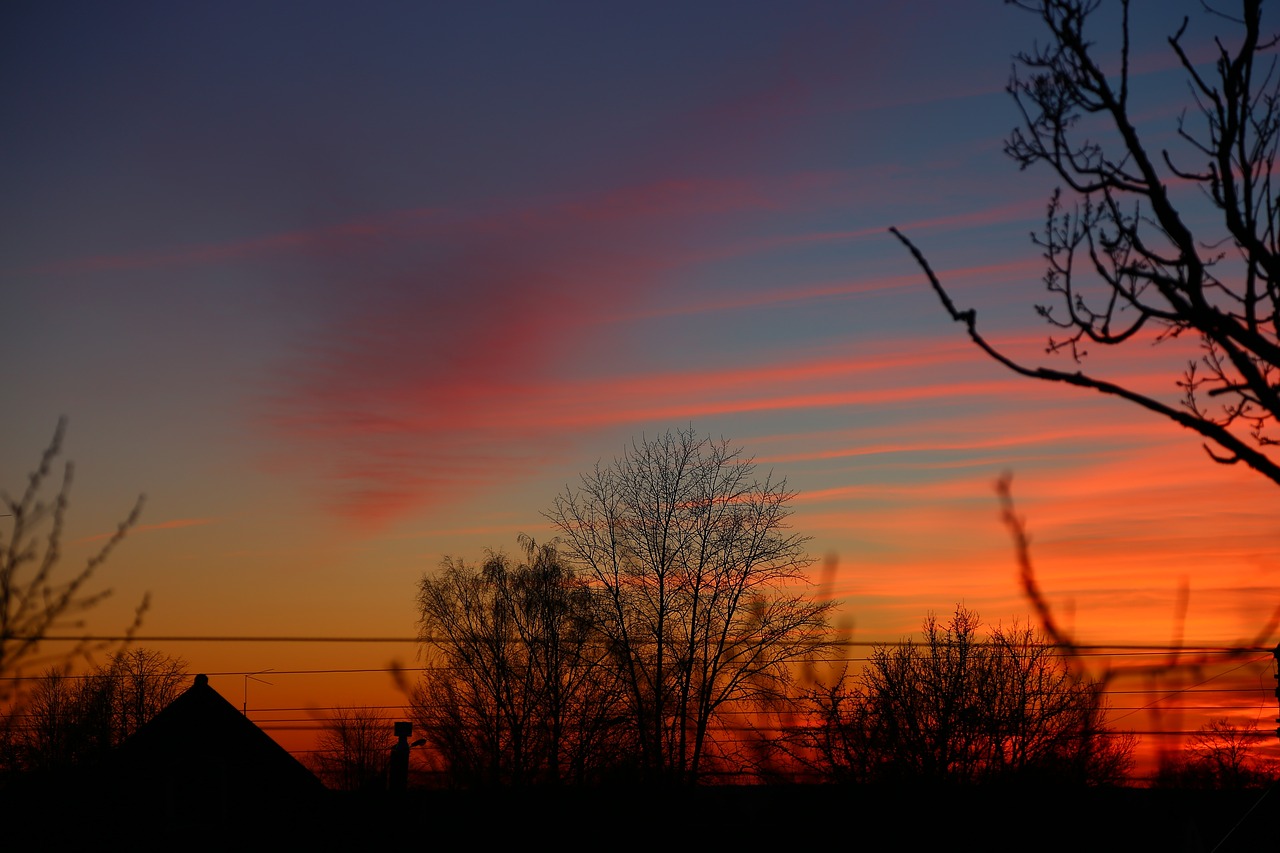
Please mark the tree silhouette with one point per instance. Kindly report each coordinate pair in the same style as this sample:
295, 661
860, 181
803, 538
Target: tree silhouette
1220, 755
75, 720
518, 688
960, 708
698, 586
1127, 259
354, 749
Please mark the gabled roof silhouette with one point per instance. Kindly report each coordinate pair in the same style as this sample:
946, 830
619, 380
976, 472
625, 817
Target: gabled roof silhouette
201, 755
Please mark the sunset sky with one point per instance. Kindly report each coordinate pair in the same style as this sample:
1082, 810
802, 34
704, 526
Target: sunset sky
346, 288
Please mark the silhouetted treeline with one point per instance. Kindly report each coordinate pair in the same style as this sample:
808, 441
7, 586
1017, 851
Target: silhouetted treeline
671, 617
74, 721
675, 595
960, 708
522, 690
1220, 756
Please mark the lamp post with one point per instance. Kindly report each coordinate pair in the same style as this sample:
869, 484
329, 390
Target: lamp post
398, 770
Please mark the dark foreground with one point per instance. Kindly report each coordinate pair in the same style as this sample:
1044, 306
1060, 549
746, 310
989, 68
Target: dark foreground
714, 818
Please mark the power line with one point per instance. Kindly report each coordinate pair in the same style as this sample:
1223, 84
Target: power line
446, 668
1070, 650
204, 638
419, 669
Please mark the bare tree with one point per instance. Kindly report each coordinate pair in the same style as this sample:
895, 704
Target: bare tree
958, 707
34, 598
139, 683
699, 586
354, 749
1125, 260
836, 745
48, 730
517, 688
75, 720
1220, 755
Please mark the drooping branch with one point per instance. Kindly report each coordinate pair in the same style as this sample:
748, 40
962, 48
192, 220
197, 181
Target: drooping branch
1122, 261
1218, 434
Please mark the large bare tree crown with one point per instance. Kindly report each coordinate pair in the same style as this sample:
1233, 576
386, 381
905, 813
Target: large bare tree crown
1128, 254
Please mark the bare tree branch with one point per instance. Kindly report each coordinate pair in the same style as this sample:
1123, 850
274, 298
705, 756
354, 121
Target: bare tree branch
1122, 264
33, 599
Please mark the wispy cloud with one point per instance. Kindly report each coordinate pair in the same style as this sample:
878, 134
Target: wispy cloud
172, 524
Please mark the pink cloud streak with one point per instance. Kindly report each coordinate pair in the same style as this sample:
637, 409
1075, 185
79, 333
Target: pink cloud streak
435, 434
172, 524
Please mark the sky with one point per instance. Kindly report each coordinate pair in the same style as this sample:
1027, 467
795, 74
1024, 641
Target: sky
347, 288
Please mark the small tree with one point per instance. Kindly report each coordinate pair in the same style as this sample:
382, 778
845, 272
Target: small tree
354, 749
516, 690
699, 588
958, 708
141, 683
51, 735
1126, 260
1220, 755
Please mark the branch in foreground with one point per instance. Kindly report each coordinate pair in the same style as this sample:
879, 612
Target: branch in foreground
1239, 450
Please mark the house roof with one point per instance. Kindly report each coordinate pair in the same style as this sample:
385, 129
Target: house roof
203, 745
